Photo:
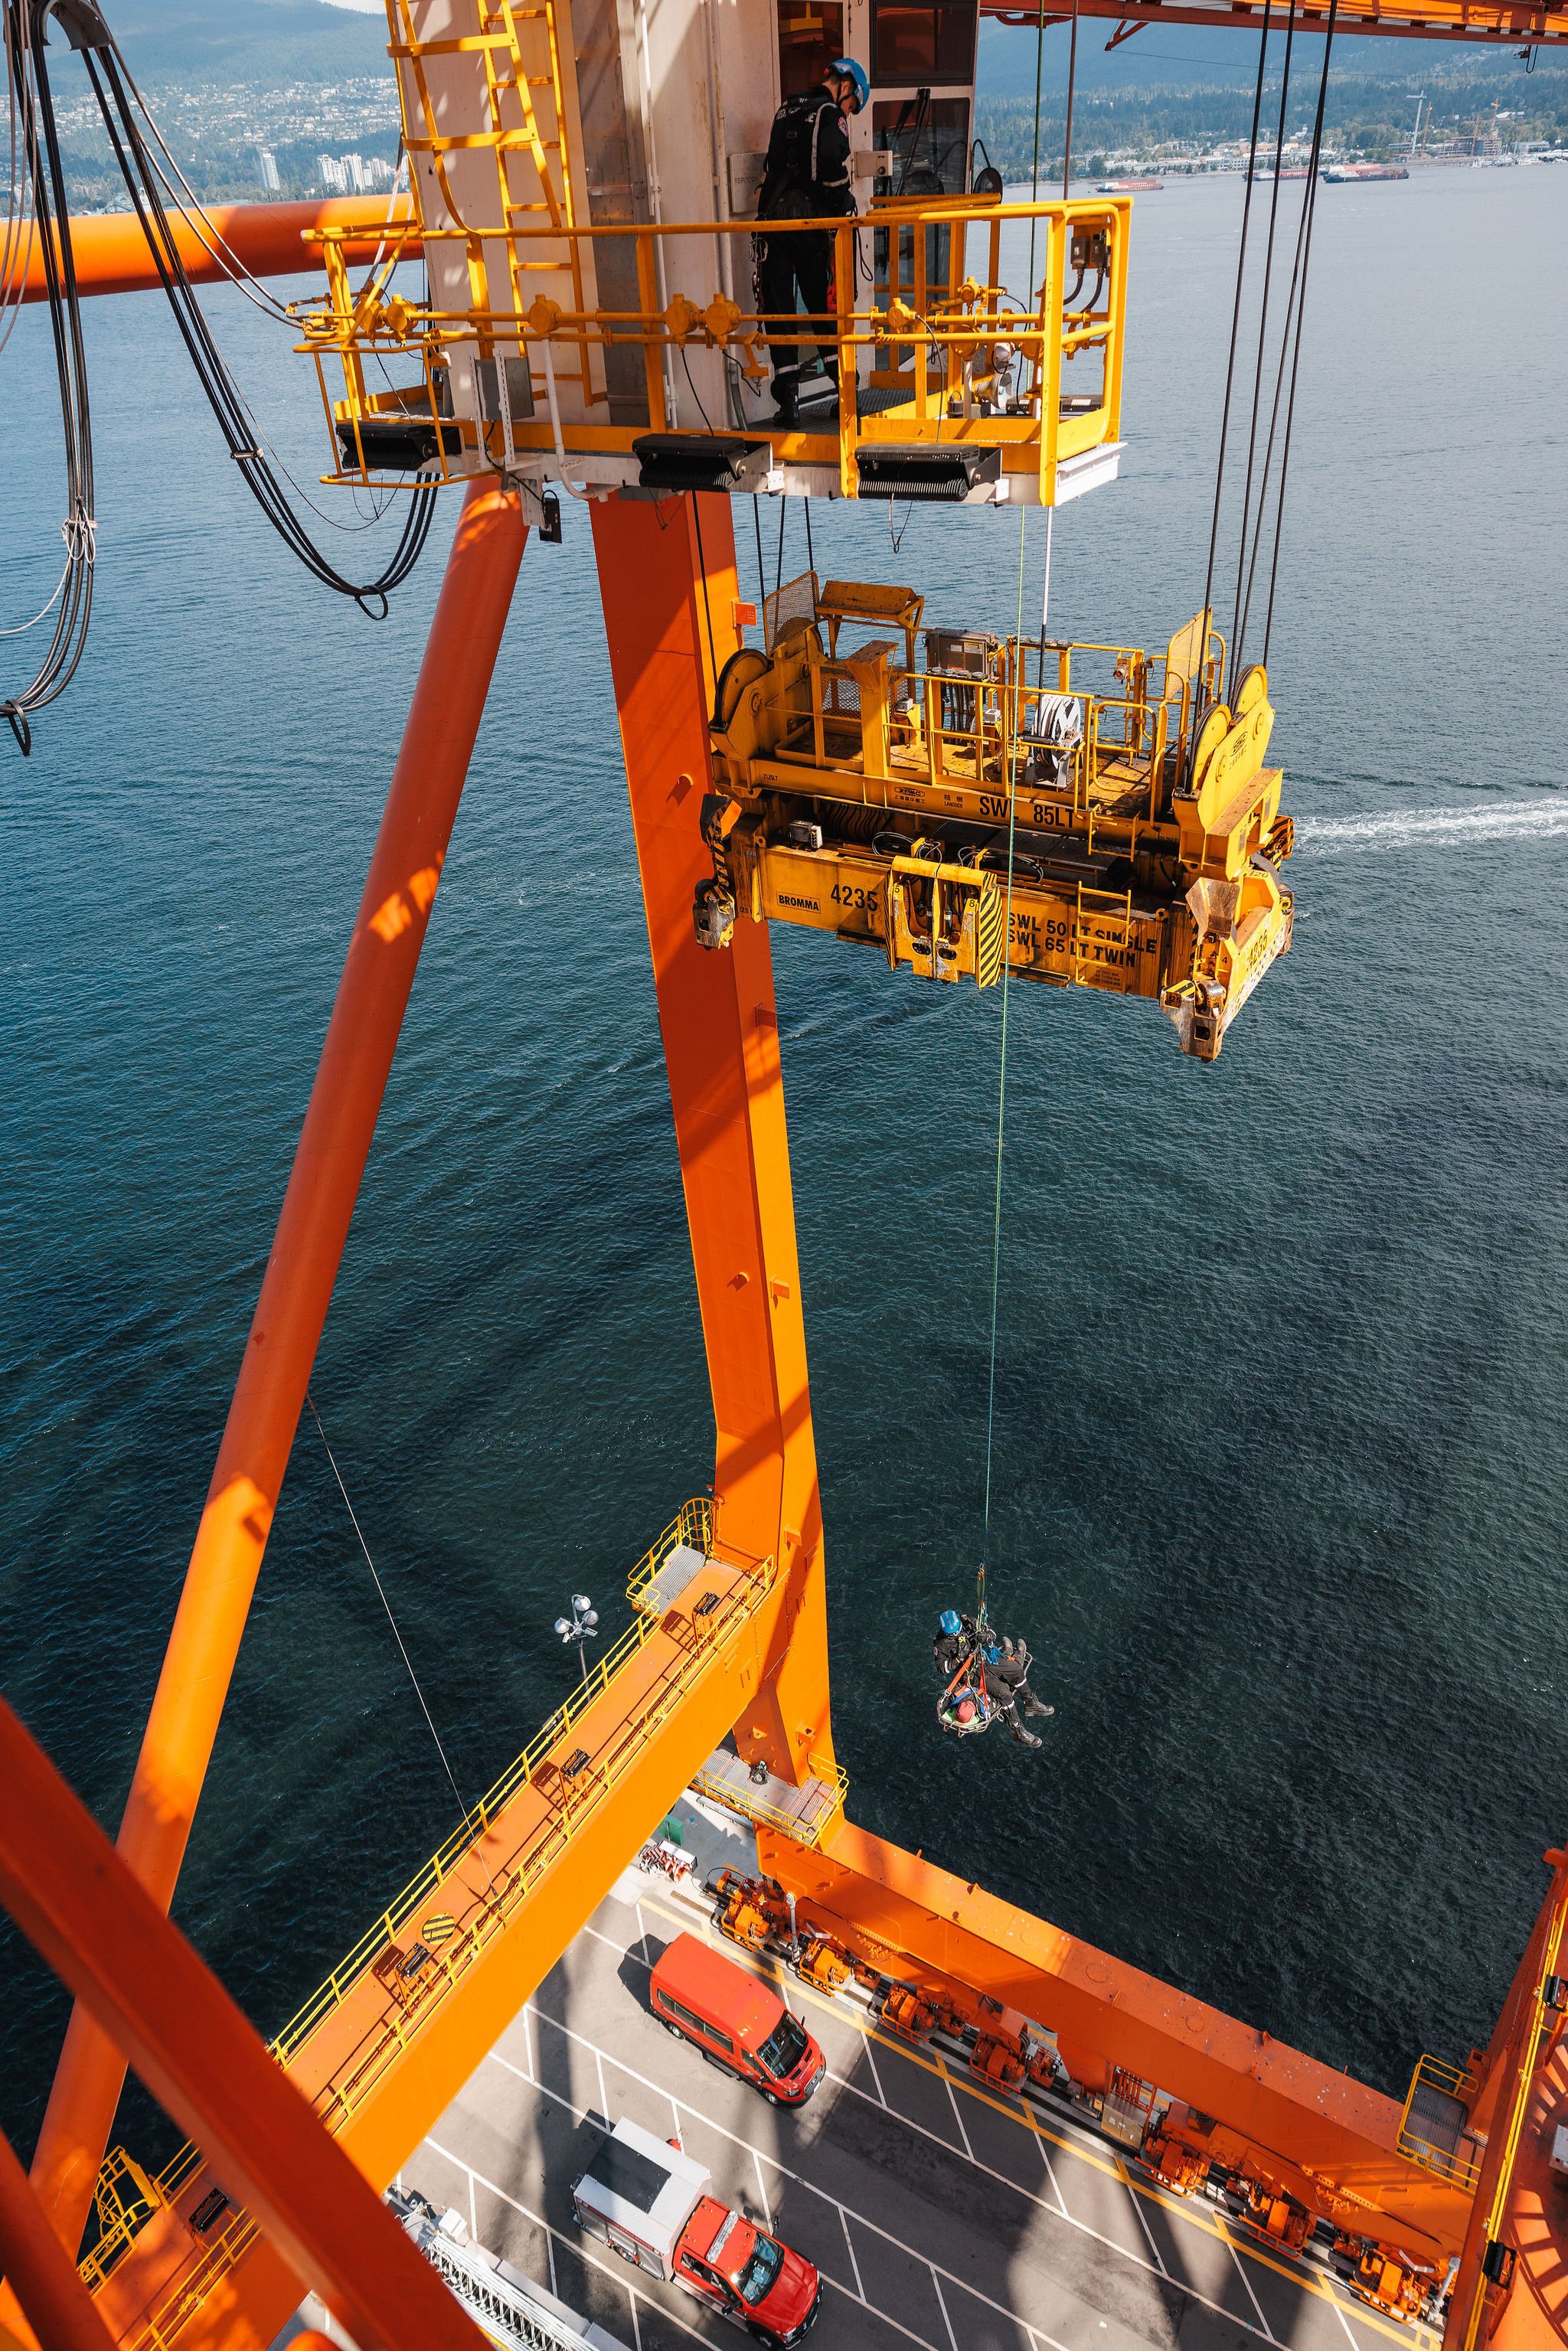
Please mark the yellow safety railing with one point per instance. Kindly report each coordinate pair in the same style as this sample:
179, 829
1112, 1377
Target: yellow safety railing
127, 2200
1519, 2107
695, 1517
939, 339
1417, 2146
894, 724
753, 1804
694, 1528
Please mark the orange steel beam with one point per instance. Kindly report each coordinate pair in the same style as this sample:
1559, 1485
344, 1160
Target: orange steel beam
668, 579
1312, 2132
38, 2270
334, 1144
383, 2063
1522, 2097
113, 257
100, 1931
1487, 22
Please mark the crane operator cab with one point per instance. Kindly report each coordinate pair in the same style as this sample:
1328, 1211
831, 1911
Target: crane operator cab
984, 1679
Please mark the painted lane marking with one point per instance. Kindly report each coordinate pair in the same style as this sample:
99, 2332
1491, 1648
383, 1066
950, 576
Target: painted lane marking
943, 2308
1081, 2146
921, 2260
1241, 2273
1066, 2146
1143, 2223
616, 2276
849, 2242
1051, 2175
957, 2117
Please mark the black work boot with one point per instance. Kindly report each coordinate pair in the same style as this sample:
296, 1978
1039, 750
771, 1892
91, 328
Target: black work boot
1024, 1738
1030, 1704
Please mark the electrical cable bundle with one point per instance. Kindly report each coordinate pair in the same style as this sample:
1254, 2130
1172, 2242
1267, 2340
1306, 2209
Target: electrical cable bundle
34, 148
147, 181
109, 86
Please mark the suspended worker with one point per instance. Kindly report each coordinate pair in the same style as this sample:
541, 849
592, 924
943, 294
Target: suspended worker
807, 178
1007, 1665
1000, 1668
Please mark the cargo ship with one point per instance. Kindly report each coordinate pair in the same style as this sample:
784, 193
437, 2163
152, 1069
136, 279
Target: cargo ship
661, 2039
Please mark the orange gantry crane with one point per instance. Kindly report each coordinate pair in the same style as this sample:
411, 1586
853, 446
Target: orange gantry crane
910, 788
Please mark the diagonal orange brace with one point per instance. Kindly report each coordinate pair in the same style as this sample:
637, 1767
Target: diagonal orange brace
37, 2271
296, 1290
103, 1935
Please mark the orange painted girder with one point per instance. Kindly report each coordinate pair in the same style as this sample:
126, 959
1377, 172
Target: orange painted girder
1521, 2100
296, 1290
1330, 2139
381, 2102
111, 252
37, 2271
108, 1940
668, 579
1478, 21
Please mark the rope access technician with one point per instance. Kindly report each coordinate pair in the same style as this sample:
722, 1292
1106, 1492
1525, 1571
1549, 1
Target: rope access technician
807, 178
1002, 1665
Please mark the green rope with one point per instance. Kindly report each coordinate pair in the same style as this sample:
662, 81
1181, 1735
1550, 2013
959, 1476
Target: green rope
1008, 936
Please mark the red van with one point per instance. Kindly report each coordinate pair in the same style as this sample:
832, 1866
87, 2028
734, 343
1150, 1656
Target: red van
704, 1997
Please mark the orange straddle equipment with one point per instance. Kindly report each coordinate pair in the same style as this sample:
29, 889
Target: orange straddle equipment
729, 1637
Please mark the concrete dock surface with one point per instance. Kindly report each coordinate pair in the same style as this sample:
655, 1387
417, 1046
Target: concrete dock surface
939, 2214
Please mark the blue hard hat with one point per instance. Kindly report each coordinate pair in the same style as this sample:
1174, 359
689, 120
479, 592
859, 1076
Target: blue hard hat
949, 1622
849, 71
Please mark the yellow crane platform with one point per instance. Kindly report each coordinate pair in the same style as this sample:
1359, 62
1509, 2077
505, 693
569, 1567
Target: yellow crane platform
1107, 822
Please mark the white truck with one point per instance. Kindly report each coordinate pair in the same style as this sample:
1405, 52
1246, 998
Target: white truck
650, 2202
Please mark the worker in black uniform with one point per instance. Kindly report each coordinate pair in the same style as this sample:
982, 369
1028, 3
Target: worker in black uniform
1004, 1665
1007, 1665
807, 178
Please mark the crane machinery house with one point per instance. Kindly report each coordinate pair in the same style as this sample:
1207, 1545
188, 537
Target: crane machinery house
586, 180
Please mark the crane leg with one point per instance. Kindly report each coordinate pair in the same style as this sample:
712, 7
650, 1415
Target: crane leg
667, 578
297, 1288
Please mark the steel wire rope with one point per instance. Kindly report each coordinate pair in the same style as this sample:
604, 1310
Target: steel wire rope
761, 569
1206, 607
1302, 226
981, 1591
1300, 319
222, 391
1289, 350
702, 566
403, 1647
1262, 342
1034, 192
1071, 89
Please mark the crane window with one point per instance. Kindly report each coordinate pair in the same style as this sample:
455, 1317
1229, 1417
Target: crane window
922, 41
810, 36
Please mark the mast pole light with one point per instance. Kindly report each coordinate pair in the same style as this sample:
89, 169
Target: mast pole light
581, 1625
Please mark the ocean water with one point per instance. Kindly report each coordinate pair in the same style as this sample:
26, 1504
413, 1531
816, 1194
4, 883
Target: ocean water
1278, 1445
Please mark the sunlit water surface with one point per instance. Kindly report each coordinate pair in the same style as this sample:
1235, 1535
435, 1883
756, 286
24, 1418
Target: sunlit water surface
1278, 1427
